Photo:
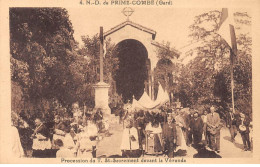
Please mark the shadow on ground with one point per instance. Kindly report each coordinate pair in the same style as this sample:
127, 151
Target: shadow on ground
238, 145
202, 152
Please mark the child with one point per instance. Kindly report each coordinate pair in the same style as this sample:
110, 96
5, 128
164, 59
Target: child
63, 152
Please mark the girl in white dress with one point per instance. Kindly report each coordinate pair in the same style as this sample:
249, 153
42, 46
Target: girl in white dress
84, 144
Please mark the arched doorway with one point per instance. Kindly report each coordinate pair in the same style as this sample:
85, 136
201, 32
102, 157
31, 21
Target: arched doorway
132, 75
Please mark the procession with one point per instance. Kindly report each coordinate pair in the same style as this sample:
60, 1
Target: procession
120, 93
166, 131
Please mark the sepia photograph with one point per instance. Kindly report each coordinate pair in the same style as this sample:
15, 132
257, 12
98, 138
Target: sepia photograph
130, 84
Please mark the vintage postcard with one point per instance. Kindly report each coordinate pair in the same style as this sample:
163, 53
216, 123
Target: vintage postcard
129, 81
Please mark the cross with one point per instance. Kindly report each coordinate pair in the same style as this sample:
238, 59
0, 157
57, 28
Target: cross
127, 11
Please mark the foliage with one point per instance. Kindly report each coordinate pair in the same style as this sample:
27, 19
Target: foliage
165, 51
206, 79
44, 61
91, 52
166, 71
47, 65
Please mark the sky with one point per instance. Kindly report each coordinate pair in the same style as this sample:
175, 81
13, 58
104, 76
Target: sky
171, 24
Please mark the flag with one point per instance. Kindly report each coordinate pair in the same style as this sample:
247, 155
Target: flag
226, 29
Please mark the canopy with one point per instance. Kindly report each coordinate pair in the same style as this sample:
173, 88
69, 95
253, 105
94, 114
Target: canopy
146, 103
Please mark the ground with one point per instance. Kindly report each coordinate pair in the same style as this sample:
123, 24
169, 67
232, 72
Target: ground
110, 146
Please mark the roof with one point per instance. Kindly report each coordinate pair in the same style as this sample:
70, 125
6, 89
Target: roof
135, 25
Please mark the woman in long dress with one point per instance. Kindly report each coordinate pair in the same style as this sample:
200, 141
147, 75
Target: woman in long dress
154, 131
17, 122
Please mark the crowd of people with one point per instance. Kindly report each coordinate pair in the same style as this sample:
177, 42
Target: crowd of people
165, 131
60, 136
170, 131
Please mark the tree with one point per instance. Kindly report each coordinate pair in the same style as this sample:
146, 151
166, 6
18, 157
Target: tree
166, 72
44, 59
209, 72
90, 51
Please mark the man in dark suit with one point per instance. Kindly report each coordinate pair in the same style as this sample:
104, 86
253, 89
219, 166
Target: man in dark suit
231, 124
213, 127
196, 126
140, 126
169, 136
